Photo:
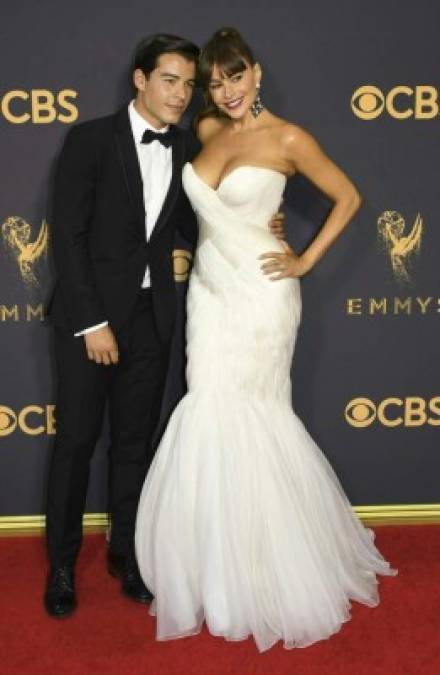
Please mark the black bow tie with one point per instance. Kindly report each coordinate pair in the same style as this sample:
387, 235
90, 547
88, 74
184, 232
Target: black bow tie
165, 138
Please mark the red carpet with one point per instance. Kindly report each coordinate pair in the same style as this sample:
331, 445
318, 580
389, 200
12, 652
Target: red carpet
110, 635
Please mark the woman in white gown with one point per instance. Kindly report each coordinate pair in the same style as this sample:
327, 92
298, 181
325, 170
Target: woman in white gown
242, 522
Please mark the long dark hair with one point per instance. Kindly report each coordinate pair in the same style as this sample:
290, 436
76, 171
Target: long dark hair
228, 50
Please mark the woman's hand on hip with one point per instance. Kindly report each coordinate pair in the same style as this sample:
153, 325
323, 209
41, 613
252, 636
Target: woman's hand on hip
282, 265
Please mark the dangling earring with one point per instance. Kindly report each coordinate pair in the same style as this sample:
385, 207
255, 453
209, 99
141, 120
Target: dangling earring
257, 106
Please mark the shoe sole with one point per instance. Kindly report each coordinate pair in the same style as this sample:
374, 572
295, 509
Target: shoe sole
61, 615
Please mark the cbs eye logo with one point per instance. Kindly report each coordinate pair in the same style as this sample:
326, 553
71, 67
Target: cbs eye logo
401, 102
367, 102
32, 420
412, 411
181, 264
39, 106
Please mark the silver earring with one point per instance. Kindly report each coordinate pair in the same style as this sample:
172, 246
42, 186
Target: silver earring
257, 106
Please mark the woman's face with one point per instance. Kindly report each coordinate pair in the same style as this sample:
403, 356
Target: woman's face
234, 94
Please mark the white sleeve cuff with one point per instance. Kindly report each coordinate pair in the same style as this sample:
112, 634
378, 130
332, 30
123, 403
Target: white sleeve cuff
91, 329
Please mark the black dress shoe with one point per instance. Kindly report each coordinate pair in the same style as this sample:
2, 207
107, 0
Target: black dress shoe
60, 598
127, 571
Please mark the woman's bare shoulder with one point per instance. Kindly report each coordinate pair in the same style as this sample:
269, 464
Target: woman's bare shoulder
294, 137
208, 127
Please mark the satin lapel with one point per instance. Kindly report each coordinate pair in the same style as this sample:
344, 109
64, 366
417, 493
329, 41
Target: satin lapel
175, 185
127, 154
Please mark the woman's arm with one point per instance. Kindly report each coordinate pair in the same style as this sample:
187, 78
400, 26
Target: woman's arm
305, 156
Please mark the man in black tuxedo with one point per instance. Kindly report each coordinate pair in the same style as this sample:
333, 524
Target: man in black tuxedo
118, 202
117, 205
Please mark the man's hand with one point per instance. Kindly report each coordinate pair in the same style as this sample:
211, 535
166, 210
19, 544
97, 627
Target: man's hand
276, 225
101, 346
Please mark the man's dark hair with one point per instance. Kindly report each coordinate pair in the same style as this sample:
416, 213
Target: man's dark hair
147, 52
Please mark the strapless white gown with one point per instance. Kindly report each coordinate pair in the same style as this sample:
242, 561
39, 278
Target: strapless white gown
242, 522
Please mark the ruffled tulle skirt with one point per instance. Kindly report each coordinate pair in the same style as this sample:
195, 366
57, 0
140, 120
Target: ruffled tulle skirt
243, 524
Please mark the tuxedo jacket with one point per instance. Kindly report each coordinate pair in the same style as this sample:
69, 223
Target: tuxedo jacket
99, 238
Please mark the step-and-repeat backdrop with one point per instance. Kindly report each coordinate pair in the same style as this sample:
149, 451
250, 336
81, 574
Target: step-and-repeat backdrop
363, 79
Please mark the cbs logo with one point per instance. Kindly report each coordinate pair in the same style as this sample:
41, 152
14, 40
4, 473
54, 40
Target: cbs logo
412, 411
32, 420
401, 102
39, 106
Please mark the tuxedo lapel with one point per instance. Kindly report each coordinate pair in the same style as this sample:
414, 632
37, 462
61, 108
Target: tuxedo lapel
175, 184
127, 154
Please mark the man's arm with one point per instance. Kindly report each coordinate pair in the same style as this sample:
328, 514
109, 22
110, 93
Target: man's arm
186, 220
74, 195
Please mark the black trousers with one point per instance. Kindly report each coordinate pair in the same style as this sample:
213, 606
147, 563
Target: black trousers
134, 389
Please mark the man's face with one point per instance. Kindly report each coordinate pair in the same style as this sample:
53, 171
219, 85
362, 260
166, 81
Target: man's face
164, 95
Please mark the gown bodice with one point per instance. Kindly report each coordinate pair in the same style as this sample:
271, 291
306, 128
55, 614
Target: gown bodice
250, 194
258, 316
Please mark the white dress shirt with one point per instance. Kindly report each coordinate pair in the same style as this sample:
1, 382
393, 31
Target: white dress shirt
156, 167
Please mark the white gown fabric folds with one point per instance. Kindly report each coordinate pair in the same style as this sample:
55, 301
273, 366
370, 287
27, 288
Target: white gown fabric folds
242, 522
